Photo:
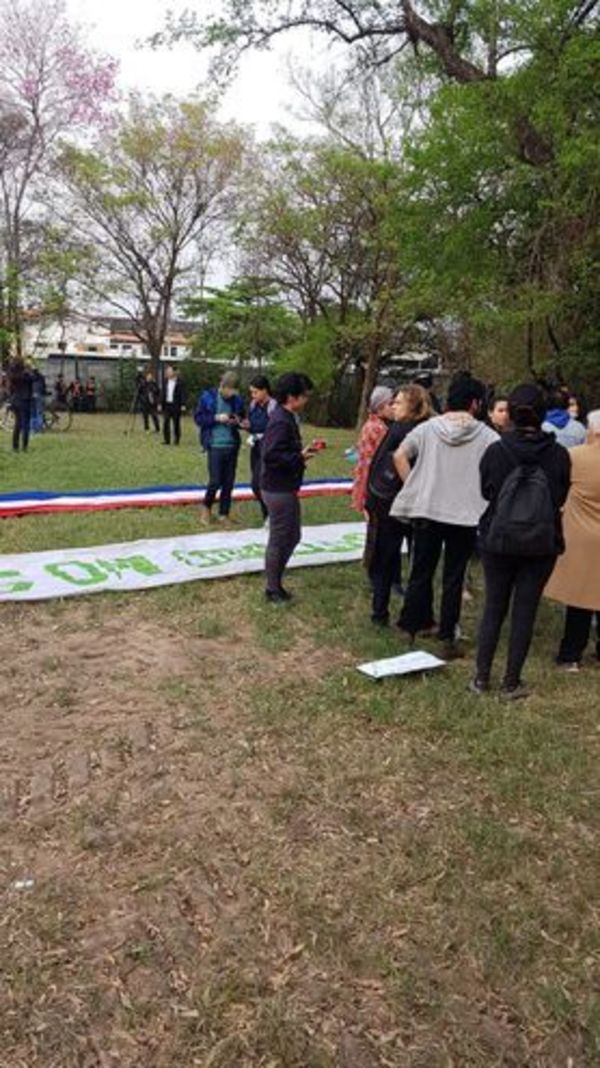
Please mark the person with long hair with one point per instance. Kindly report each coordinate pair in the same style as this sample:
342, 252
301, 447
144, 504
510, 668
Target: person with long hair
385, 537
438, 463
525, 478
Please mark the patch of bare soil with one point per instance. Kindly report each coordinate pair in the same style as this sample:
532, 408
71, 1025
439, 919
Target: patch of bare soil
184, 886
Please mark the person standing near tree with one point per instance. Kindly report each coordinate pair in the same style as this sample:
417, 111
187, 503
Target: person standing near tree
525, 478
172, 403
20, 391
282, 469
575, 581
149, 396
375, 428
441, 497
219, 414
385, 535
261, 407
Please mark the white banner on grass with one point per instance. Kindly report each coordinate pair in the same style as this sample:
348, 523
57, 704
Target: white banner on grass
164, 561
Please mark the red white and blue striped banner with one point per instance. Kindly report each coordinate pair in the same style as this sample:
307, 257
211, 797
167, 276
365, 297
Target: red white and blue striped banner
45, 502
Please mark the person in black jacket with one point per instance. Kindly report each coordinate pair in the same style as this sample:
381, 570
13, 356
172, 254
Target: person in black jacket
20, 393
514, 575
385, 535
283, 460
172, 402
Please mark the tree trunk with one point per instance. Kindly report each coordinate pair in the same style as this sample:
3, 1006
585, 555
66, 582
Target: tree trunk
371, 367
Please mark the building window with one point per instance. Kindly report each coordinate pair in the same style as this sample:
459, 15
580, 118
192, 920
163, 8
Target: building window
173, 350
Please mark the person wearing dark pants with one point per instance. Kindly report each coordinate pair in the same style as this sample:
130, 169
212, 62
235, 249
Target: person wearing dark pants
284, 535
522, 580
429, 539
222, 463
282, 470
219, 415
261, 406
385, 535
20, 392
576, 635
525, 476
172, 401
438, 463
149, 398
575, 581
383, 555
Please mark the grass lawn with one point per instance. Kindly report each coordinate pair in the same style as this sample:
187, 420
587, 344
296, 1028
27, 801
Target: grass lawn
220, 846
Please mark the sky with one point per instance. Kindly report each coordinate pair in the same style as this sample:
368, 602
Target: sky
260, 94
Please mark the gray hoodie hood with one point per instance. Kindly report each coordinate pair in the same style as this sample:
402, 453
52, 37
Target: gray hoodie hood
456, 428
444, 483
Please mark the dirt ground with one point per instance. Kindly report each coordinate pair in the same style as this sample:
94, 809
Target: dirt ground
192, 877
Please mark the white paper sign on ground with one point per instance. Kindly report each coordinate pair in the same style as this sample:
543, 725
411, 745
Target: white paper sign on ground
164, 561
405, 664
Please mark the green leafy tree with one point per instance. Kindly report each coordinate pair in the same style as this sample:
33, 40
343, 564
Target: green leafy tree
322, 221
246, 321
145, 197
506, 247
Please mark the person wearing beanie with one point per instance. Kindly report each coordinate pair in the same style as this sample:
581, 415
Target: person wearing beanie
218, 414
376, 426
525, 478
438, 463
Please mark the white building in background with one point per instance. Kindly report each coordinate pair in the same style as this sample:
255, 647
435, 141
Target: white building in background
79, 347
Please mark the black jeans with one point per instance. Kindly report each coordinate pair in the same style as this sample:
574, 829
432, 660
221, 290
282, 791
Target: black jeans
578, 626
384, 560
429, 538
284, 535
149, 413
171, 415
221, 477
255, 477
22, 414
522, 579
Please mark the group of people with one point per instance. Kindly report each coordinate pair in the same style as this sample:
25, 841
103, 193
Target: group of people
518, 484
78, 395
25, 389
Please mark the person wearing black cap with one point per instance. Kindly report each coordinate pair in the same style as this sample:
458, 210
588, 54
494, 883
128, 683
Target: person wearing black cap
525, 477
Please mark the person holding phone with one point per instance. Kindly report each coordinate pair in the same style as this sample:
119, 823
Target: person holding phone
219, 414
283, 461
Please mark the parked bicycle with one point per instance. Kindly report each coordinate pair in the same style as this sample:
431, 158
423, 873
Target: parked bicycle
57, 417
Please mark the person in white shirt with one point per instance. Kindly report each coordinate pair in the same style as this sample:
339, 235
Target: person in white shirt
172, 403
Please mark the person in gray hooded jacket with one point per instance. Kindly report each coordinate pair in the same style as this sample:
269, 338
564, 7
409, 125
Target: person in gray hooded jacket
438, 463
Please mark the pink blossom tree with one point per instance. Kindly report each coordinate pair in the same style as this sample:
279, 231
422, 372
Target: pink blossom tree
50, 84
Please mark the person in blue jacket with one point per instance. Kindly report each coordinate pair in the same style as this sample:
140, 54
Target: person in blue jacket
219, 414
260, 408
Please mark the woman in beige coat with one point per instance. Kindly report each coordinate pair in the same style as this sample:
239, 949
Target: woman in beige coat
575, 580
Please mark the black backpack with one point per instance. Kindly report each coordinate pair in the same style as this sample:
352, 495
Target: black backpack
384, 482
524, 521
